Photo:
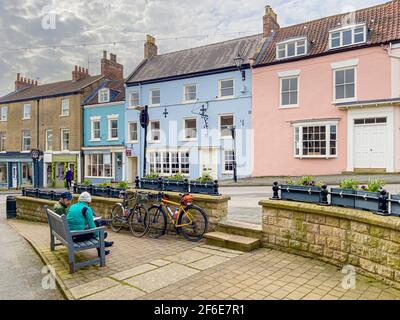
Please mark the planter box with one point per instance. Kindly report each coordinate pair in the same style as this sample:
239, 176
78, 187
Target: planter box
367, 200
151, 184
175, 185
115, 192
48, 195
343, 197
82, 188
301, 193
34, 193
101, 192
203, 188
395, 205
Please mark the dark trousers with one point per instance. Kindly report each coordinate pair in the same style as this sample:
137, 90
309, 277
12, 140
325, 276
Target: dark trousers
69, 184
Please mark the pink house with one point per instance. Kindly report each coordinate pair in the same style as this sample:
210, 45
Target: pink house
326, 94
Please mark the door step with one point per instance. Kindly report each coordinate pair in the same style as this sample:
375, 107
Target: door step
232, 241
241, 229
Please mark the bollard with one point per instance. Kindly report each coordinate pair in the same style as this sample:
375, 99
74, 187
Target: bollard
383, 201
275, 191
216, 187
11, 207
324, 195
137, 182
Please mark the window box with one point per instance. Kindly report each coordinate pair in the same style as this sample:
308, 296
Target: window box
343, 197
175, 185
310, 194
210, 188
152, 184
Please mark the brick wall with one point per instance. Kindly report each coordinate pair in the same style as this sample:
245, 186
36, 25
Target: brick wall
369, 242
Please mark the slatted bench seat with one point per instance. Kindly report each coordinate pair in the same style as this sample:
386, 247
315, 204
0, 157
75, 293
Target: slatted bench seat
59, 229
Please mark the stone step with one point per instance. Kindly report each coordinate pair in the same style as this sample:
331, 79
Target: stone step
232, 241
241, 229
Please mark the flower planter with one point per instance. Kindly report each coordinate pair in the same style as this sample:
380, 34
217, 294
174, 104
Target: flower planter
210, 188
395, 205
101, 192
82, 188
33, 193
115, 192
152, 184
343, 197
175, 185
48, 195
367, 200
301, 193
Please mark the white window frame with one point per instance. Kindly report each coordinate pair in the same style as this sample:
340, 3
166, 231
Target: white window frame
288, 106
229, 137
3, 141
346, 28
65, 108
291, 41
113, 117
184, 92
355, 85
327, 125
4, 113
151, 104
184, 129
47, 140
129, 132
130, 98
220, 88
104, 93
27, 115
62, 139
224, 160
161, 153
88, 161
150, 138
24, 149
92, 135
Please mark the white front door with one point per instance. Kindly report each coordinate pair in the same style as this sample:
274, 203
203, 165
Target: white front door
209, 162
370, 145
14, 176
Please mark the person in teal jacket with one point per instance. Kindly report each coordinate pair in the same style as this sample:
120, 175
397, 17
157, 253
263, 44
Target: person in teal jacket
80, 217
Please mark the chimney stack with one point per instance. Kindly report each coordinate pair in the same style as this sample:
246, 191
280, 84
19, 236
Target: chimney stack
110, 68
22, 83
270, 22
150, 48
79, 73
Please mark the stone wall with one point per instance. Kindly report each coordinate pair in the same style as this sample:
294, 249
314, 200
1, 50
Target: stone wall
32, 208
341, 236
216, 207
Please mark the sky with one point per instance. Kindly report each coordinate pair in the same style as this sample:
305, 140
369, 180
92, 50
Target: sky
45, 39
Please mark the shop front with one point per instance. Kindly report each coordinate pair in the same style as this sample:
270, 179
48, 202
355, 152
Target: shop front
56, 165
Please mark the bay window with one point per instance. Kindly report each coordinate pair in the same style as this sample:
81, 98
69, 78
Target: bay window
169, 163
99, 165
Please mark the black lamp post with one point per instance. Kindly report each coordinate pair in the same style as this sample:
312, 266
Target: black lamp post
233, 132
144, 123
239, 64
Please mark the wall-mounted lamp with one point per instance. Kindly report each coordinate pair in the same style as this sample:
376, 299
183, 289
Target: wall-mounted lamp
239, 64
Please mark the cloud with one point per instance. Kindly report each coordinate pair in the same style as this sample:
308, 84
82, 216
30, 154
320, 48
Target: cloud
104, 21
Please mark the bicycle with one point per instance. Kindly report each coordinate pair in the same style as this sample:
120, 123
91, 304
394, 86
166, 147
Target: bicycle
188, 219
134, 215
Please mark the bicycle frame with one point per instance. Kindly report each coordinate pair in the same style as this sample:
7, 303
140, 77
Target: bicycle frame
166, 203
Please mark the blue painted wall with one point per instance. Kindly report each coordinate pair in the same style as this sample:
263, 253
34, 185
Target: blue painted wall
172, 125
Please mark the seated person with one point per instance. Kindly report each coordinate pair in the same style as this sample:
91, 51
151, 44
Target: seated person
80, 217
63, 204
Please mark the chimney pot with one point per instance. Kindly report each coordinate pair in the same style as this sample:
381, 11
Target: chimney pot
104, 54
150, 48
18, 76
270, 22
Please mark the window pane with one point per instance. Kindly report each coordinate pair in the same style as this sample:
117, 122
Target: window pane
350, 91
190, 93
339, 78
226, 88
285, 85
359, 35
293, 84
293, 97
335, 40
347, 37
226, 121
349, 76
155, 97
190, 129
291, 50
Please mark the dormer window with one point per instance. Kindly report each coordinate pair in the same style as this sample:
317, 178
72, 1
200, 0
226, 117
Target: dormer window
104, 95
347, 36
291, 48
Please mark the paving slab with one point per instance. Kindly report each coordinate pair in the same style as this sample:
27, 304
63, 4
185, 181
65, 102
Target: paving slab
187, 257
216, 252
160, 262
133, 271
120, 292
209, 262
92, 287
161, 277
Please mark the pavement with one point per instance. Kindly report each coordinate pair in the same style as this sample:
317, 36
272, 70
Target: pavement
172, 268
20, 267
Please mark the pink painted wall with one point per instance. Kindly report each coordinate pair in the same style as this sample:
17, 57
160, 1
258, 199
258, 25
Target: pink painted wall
273, 132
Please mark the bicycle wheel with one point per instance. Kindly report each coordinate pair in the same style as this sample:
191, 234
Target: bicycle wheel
198, 225
117, 216
157, 222
139, 221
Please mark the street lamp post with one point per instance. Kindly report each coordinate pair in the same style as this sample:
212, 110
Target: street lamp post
239, 64
144, 123
233, 133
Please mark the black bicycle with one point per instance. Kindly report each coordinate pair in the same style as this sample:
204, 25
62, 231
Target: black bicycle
131, 213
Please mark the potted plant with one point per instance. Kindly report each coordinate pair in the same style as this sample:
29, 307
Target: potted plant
176, 183
368, 197
344, 195
120, 186
102, 189
151, 181
205, 185
305, 189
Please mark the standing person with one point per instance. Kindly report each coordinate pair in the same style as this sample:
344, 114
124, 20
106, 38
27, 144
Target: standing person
80, 217
69, 176
63, 203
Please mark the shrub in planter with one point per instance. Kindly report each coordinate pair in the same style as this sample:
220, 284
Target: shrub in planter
305, 189
204, 185
122, 185
344, 195
176, 183
368, 197
86, 182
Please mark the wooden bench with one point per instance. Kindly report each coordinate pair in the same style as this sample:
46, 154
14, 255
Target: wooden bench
59, 229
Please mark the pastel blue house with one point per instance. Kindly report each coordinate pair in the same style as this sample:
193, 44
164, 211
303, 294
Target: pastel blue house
104, 133
195, 98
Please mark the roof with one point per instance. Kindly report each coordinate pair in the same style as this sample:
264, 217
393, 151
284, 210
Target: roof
50, 89
117, 92
200, 59
382, 22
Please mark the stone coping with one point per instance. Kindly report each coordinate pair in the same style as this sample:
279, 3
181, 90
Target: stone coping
196, 196
389, 222
51, 202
